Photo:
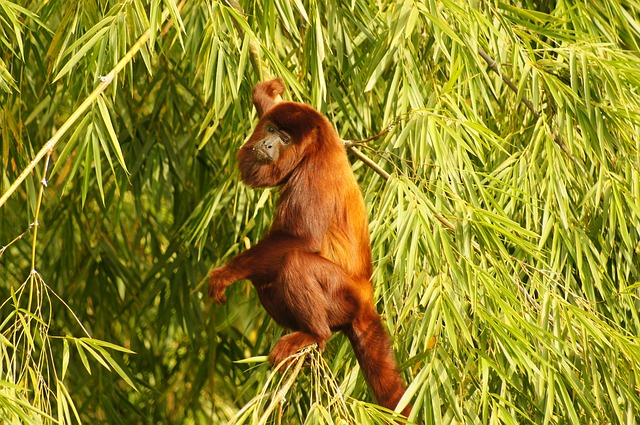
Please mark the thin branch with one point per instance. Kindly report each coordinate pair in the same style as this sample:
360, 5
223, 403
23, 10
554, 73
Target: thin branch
17, 238
375, 167
105, 81
493, 65
360, 142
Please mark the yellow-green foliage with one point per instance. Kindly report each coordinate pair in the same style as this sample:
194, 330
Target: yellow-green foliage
506, 239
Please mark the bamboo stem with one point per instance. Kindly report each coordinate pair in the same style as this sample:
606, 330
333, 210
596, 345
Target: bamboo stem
43, 185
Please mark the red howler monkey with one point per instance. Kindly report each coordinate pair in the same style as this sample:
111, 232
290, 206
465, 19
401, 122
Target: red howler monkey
312, 271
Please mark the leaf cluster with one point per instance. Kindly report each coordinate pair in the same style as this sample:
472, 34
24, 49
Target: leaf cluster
505, 240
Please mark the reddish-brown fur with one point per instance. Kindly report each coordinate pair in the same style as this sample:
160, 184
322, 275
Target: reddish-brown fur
312, 271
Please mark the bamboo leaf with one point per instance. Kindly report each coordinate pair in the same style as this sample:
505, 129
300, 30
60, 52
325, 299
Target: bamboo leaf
104, 113
85, 44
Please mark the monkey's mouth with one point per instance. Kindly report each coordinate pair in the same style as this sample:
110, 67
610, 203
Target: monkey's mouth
262, 155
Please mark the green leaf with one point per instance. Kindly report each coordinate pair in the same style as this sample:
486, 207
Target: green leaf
106, 119
87, 42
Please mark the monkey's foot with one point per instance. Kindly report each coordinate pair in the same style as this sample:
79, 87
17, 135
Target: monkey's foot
282, 353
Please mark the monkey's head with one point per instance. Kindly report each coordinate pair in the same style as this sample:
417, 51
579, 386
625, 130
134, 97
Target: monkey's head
287, 135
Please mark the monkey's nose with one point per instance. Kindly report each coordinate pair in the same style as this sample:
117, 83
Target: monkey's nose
266, 150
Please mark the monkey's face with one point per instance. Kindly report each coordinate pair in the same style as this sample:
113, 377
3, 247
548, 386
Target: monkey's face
273, 141
285, 135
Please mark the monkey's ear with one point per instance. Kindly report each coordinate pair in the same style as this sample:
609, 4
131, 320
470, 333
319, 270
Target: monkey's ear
267, 94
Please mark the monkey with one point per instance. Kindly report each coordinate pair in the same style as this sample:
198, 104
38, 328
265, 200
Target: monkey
312, 271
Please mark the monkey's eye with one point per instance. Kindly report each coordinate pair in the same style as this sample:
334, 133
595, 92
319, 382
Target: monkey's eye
270, 128
286, 140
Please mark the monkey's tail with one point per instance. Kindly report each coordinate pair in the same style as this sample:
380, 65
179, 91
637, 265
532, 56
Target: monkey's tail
372, 347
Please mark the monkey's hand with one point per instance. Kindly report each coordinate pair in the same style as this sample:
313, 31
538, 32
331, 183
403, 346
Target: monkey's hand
218, 283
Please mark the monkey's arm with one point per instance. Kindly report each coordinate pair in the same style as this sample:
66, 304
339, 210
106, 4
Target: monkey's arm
261, 261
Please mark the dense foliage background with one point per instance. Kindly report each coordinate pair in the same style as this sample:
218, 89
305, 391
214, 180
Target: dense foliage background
506, 238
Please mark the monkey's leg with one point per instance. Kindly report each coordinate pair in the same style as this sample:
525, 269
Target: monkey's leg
316, 294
